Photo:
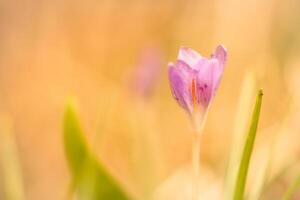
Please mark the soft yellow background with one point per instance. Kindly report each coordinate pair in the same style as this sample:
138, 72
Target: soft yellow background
50, 50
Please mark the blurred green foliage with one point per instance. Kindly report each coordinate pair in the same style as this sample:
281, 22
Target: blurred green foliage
90, 179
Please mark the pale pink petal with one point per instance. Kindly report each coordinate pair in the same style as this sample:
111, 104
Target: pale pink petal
189, 56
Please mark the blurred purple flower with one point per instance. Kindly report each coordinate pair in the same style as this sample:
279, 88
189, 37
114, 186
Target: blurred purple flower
195, 79
148, 72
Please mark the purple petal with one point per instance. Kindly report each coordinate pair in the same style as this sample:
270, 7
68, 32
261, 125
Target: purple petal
191, 67
220, 54
148, 71
206, 80
179, 82
184, 68
189, 56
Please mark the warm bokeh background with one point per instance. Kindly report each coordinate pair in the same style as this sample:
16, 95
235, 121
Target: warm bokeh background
50, 50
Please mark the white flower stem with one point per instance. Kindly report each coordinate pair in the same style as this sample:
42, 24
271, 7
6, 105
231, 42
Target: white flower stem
196, 165
198, 123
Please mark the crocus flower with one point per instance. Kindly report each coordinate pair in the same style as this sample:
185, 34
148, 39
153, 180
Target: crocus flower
194, 80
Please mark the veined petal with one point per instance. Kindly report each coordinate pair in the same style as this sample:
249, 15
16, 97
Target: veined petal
178, 81
189, 56
184, 68
206, 81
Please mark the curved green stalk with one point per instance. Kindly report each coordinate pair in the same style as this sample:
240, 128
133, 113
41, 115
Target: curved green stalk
247, 152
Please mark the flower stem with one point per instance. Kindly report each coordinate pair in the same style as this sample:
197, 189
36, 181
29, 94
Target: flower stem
196, 165
198, 121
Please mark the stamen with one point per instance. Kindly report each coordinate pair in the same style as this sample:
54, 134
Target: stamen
193, 90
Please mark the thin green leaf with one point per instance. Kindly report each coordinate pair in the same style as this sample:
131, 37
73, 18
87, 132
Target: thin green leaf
242, 117
292, 189
91, 181
75, 145
247, 151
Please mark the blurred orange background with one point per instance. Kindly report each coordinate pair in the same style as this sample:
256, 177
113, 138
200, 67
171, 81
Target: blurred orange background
51, 50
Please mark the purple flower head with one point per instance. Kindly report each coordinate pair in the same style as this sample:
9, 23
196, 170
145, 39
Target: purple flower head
194, 79
148, 71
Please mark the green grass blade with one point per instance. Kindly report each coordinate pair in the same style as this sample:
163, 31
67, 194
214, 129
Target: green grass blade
90, 179
247, 151
241, 121
292, 189
75, 145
